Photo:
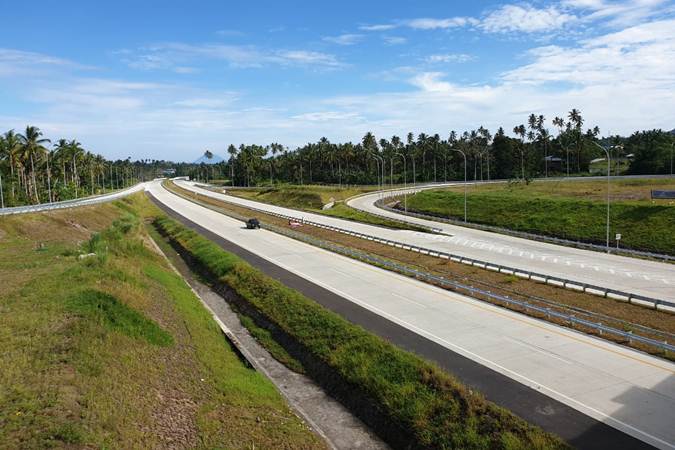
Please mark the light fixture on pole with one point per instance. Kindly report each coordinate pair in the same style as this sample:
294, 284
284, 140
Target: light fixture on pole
405, 183
464, 155
609, 168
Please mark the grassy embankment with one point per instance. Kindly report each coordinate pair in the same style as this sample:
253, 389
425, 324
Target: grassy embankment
410, 402
312, 198
567, 209
114, 350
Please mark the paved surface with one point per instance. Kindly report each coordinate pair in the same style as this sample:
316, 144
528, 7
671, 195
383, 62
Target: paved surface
637, 276
73, 203
628, 390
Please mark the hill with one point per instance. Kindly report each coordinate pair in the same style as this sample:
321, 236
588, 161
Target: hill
209, 158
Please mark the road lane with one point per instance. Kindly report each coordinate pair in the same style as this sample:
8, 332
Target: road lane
636, 276
623, 388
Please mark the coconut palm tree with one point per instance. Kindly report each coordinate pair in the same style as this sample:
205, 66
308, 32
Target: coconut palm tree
32, 149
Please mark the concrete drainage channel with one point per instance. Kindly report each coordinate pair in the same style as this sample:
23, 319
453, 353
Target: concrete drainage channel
480, 294
326, 416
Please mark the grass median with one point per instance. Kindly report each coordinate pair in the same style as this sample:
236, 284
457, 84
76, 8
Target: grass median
408, 401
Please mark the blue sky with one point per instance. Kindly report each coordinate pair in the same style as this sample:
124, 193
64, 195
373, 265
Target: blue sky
170, 79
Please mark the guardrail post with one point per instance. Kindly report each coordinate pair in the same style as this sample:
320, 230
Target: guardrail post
599, 328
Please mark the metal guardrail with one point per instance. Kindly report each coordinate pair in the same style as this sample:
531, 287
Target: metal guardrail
70, 203
472, 291
615, 294
521, 234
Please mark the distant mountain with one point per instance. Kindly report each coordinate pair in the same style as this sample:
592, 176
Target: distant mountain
214, 159
672, 131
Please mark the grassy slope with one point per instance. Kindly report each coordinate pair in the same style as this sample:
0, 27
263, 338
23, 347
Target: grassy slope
115, 350
423, 406
312, 198
572, 210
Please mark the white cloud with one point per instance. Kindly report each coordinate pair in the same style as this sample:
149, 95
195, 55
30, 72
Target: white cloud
433, 24
394, 40
179, 55
326, 116
618, 13
344, 39
431, 82
15, 62
525, 18
449, 58
379, 27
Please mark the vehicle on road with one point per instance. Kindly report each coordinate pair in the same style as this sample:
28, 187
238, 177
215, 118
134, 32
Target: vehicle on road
252, 224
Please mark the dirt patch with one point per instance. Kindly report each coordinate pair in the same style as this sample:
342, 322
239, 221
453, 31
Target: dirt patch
174, 420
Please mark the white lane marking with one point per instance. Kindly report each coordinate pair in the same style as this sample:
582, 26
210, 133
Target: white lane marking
539, 350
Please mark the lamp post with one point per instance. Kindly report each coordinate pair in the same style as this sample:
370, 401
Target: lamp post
671, 157
405, 183
464, 155
2, 195
609, 166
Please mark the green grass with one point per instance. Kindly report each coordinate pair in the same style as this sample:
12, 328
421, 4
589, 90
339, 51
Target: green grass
570, 210
409, 401
115, 351
104, 309
312, 198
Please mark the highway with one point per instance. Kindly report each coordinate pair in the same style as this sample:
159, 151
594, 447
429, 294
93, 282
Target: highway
636, 276
84, 201
625, 389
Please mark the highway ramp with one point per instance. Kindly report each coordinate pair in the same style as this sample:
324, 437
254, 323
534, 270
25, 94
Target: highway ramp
625, 389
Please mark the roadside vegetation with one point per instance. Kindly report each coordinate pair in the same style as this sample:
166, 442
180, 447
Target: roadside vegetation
409, 402
312, 198
573, 210
113, 349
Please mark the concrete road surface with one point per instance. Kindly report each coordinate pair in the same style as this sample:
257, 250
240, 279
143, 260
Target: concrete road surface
636, 276
623, 388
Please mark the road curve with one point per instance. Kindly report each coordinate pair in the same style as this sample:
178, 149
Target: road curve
72, 203
636, 276
625, 389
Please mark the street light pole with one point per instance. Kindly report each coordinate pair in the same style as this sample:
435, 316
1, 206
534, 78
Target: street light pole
671, 157
464, 155
609, 166
405, 183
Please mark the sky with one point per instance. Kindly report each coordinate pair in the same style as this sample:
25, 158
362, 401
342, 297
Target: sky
170, 79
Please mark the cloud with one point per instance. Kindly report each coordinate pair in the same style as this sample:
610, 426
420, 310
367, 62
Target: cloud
433, 24
344, 39
430, 82
525, 18
394, 40
326, 116
643, 55
309, 58
449, 57
175, 55
15, 62
618, 13
379, 27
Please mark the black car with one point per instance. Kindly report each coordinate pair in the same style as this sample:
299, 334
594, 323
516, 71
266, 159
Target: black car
252, 224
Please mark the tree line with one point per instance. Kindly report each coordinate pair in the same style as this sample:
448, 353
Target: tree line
34, 170
540, 148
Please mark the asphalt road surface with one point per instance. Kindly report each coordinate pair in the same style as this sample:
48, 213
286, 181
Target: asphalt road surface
580, 377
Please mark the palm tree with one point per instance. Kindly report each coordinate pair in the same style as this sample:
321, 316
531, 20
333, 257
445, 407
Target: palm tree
33, 149
520, 132
577, 122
